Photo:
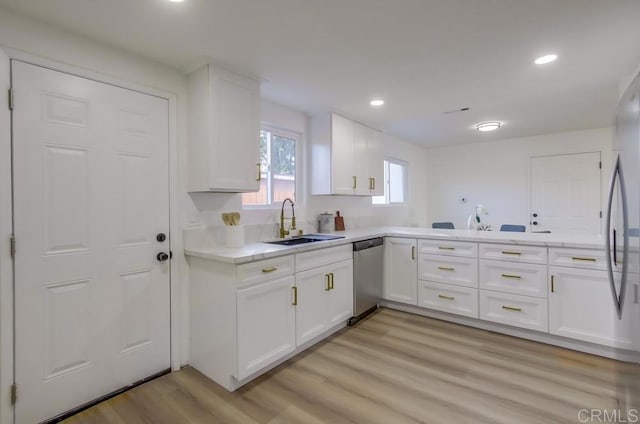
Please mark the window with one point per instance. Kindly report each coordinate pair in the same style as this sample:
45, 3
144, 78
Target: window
395, 184
277, 169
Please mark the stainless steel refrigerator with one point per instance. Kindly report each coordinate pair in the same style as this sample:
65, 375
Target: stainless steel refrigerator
622, 234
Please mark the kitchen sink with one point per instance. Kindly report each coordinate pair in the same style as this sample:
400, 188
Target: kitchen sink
309, 238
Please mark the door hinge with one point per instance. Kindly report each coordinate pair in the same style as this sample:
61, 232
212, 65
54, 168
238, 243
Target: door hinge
14, 393
12, 243
11, 105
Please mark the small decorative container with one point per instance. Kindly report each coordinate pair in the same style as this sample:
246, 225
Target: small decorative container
234, 235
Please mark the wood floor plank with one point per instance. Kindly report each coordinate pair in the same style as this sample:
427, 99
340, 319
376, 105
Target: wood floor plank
393, 367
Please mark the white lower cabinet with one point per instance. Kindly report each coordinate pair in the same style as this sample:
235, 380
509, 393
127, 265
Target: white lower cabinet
266, 324
448, 298
401, 270
324, 299
581, 307
510, 309
459, 271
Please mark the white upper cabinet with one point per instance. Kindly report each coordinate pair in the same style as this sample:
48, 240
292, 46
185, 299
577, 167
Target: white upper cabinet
224, 131
346, 157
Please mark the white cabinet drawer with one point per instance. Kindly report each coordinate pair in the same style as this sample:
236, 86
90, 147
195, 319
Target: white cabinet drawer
448, 270
258, 271
511, 309
321, 257
449, 248
514, 253
447, 298
578, 258
515, 278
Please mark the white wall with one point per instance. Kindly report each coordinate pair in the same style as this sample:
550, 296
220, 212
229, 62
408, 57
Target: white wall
496, 174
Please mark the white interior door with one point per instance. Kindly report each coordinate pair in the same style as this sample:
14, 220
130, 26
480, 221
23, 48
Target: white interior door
91, 194
566, 193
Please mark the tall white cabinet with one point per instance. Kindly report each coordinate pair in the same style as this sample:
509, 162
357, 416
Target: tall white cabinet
346, 157
401, 270
224, 131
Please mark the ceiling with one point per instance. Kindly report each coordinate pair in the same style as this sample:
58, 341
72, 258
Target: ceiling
424, 57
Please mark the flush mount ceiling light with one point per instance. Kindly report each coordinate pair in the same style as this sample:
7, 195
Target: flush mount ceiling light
376, 102
176, 1
543, 60
488, 126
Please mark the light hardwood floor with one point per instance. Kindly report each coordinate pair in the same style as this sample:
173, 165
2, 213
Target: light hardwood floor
393, 368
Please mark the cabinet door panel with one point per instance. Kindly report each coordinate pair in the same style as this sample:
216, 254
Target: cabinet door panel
311, 312
401, 270
376, 162
581, 307
361, 159
448, 270
266, 325
342, 155
513, 277
448, 298
341, 294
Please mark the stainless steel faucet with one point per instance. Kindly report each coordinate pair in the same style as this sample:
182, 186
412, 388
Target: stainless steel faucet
284, 232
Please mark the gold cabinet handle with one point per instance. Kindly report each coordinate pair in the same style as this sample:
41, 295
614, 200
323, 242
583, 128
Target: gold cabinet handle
517, 277
446, 248
267, 270
373, 183
446, 268
511, 308
259, 173
355, 182
509, 252
442, 296
331, 280
553, 288
413, 253
370, 183
327, 285
295, 296
578, 258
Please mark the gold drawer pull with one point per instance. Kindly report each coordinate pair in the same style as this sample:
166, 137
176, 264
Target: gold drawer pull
295, 296
509, 252
511, 308
578, 258
373, 183
327, 285
442, 296
259, 173
355, 182
331, 280
446, 268
267, 270
517, 277
413, 252
446, 248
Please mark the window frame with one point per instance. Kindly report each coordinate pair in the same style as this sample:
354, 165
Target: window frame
284, 133
387, 183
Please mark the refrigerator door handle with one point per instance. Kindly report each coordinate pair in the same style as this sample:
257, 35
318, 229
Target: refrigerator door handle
618, 298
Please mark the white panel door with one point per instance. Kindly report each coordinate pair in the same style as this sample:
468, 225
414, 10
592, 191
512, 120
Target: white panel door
341, 294
400, 270
313, 288
565, 193
266, 324
91, 193
342, 155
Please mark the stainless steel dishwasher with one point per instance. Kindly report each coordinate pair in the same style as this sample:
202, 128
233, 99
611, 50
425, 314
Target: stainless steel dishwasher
367, 277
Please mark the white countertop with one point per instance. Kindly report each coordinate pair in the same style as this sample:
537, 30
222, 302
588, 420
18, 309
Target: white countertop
258, 251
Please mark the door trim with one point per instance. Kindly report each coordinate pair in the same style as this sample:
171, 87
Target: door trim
178, 329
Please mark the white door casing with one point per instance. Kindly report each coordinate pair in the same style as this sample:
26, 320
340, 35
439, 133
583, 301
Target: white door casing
91, 193
566, 193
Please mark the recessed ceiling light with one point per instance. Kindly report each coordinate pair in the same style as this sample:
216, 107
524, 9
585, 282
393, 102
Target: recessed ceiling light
488, 126
376, 102
176, 1
543, 60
